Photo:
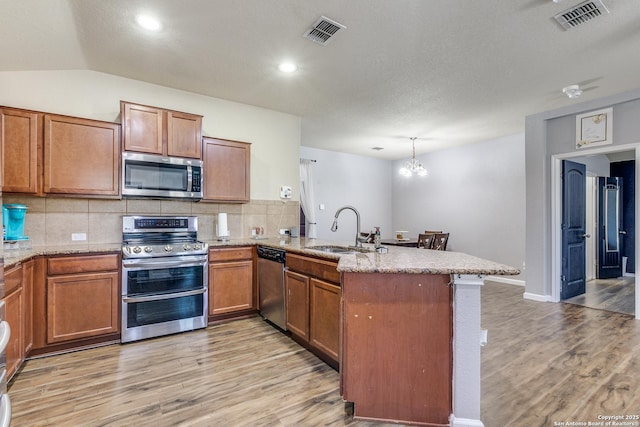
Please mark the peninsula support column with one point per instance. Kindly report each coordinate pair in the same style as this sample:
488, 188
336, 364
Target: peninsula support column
466, 351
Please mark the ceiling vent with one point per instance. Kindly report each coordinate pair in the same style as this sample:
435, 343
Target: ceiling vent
323, 30
581, 13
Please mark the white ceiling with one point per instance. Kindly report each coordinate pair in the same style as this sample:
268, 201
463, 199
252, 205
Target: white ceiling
448, 72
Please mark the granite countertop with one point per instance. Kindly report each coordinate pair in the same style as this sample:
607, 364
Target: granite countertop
397, 260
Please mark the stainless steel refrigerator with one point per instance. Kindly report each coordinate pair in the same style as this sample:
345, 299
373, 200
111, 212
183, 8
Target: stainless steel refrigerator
5, 333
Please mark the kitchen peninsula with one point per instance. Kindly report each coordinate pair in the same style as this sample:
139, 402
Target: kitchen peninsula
427, 300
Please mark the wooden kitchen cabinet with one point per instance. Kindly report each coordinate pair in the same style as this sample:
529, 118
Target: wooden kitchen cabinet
324, 317
14, 314
81, 156
297, 303
232, 288
82, 297
157, 130
21, 151
313, 305
227, 166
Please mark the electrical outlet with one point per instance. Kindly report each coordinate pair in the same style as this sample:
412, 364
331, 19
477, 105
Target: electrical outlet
285, 192
78, 236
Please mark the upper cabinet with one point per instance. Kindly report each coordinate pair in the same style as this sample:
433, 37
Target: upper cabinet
81, 157
21, 151
156, 130
226, 170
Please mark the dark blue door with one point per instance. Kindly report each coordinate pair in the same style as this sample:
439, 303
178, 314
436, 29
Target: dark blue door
610, 228
573, 229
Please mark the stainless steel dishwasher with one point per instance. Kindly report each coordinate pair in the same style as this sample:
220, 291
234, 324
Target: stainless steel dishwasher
271, 285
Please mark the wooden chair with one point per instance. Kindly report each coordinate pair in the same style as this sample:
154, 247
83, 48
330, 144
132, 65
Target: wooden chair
440, 241
369, 236
425, 241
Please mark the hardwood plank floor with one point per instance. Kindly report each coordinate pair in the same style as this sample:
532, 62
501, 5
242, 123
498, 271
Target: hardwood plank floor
544, 364
617, 295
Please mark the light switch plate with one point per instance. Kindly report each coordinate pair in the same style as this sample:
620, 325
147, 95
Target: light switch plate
285, 192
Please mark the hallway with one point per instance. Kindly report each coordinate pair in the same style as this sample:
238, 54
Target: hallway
608, 294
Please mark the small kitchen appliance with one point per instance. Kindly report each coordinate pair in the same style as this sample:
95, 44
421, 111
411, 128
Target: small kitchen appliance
13, 216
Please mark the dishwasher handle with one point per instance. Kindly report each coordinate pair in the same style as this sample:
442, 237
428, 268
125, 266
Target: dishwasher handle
272, 254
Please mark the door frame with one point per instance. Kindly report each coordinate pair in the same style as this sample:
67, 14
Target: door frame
556, 213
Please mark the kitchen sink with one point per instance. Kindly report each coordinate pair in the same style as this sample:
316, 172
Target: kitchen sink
337, 249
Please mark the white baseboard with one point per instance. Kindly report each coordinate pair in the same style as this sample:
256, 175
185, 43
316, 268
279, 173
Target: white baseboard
508, 280
464, 422
537, 297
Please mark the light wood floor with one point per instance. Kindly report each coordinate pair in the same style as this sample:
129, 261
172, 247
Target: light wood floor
609, 294
544, 363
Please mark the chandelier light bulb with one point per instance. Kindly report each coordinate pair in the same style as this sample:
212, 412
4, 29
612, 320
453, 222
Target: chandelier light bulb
413, 166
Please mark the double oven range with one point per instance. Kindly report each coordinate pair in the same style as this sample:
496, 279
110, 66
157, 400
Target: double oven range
164, 276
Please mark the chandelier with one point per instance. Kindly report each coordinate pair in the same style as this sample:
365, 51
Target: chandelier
413, 166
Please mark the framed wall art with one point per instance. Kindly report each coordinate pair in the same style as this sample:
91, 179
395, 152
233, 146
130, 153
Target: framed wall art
594, 128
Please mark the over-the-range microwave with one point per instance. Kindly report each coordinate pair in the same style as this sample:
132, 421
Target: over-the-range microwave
151, 175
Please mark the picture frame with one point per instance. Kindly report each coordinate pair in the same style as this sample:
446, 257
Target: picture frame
594, 128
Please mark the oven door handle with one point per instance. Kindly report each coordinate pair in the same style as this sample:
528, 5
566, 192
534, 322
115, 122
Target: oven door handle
5, 410
146, 265
164, 296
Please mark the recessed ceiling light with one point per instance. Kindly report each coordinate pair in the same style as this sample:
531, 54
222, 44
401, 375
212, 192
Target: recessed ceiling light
287, 67
148, 23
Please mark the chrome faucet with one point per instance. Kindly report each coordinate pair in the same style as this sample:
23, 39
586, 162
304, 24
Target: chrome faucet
334, 226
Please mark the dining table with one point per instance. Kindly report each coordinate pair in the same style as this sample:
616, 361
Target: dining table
409, 243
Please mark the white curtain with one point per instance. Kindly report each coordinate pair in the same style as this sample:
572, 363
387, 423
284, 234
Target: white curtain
306, 197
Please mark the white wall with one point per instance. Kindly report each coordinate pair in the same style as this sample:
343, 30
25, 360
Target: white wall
345, 179
475, 192
553, 133
275, 136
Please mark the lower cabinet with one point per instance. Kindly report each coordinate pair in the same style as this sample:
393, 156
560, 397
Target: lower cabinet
313, 305
18, 313
14, 315
232, 288
82, 297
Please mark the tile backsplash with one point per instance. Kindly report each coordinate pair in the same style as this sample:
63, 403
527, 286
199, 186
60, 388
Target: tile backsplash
52, 221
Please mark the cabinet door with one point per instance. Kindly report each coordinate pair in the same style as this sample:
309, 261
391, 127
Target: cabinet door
324, 320
81, 156
230, 287
81, 306
21, 145
297, 288
27, 289
14, 305
227, 170
142, 128
184, 135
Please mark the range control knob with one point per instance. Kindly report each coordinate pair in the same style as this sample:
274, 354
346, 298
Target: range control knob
196, 246
186, 247
168, 248
148, 249
137, 250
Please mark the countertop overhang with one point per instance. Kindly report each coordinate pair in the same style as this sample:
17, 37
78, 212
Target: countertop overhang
396, 260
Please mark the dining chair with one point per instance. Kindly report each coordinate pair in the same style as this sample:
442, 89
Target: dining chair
425, 240
440, 241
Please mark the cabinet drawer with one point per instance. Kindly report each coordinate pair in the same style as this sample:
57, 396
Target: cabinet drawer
12, 279
229, 254
322, 269
82, 264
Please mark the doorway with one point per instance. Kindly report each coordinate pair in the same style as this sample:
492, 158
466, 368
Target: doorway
618, 293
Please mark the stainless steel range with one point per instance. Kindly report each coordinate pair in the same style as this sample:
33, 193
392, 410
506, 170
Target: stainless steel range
164, 276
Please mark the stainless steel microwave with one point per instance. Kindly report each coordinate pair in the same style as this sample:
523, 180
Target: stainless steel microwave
151, 175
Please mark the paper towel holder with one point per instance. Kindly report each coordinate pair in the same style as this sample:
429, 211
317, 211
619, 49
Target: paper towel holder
221, 228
